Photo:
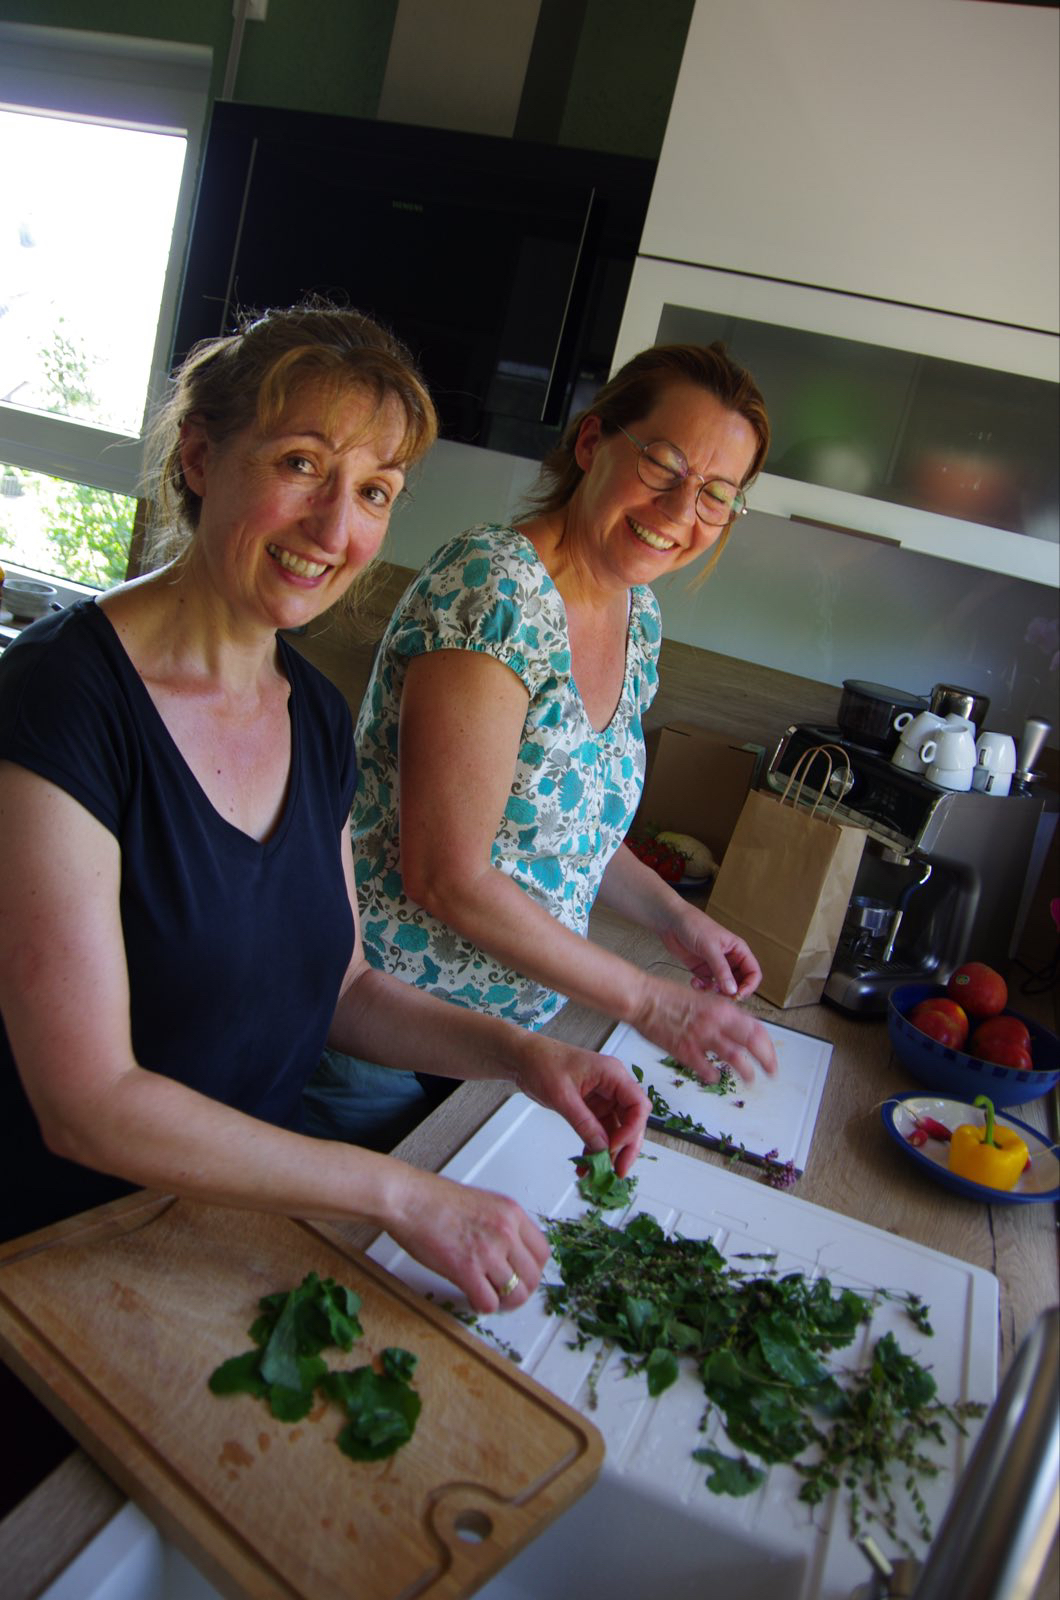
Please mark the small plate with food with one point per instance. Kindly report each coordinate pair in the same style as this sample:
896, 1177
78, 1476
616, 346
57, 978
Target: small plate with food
924, 1127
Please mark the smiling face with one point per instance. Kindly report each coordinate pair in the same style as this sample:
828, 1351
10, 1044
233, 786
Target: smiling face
637, 534
291, 513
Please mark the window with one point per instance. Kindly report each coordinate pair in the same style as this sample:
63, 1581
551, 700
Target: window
99, 140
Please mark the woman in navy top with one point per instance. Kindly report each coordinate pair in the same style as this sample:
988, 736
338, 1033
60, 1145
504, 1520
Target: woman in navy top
178, 936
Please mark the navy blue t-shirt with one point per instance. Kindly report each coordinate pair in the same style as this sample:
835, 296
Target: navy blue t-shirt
235, 948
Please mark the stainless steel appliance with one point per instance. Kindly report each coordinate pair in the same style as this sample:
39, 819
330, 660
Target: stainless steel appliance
941, 880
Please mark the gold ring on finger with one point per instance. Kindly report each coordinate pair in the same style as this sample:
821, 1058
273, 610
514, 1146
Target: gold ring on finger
509, 1287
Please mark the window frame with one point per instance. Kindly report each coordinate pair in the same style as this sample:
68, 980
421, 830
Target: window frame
150, 84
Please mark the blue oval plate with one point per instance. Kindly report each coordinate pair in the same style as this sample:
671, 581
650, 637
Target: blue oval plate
1040, 1181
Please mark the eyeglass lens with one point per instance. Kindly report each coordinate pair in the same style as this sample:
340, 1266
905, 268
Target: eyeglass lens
662, 466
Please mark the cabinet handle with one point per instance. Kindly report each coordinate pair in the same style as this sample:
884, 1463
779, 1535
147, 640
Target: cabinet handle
569, 329
851, 533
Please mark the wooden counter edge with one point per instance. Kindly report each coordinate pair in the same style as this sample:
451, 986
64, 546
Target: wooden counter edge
53, 1524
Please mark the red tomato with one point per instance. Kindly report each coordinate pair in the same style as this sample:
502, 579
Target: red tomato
951, 1009
1004, 1053
1002, 1029
979, 989
937, 1025
672, 868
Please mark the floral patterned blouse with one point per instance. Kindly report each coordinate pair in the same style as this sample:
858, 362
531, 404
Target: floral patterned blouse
574, 790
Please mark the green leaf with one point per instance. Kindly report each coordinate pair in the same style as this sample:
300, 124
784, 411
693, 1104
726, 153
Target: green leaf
398, 1363
600, 1185
721, 1371
340, 1306
661, 1370
638, 1316
382, 1412
785, 1354
911, 1384
644, 1229
318, 1313
240, 1375
732, 1475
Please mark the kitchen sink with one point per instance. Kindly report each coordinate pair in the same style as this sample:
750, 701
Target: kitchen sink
622, 1538
616, 1539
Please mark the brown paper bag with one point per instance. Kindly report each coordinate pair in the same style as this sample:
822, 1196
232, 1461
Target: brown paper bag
785, 881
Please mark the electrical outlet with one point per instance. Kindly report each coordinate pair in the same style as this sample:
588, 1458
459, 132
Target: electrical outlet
255, 12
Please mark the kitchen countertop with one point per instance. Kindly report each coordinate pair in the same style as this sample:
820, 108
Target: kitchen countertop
853, 1168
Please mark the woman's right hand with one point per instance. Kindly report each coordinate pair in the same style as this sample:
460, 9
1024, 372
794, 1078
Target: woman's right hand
692, 1024
473, 1237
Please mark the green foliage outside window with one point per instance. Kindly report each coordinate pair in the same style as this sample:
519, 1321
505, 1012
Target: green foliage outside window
83, 533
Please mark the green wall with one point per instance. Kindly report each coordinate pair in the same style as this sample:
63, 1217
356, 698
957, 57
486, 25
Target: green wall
310, 55
624, 74
601, 76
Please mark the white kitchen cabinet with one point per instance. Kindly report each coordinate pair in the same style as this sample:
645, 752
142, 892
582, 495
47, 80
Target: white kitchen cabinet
902, 149
928, 431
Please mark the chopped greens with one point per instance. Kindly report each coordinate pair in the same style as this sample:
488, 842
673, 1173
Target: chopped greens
382, 1410
600, 1184
759, 1340
286, 1368
726, 1080
778, 1174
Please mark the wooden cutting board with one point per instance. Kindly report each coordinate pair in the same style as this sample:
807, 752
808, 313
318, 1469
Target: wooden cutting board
116, 1320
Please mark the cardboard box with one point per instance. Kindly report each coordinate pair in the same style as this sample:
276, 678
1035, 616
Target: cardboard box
697, 783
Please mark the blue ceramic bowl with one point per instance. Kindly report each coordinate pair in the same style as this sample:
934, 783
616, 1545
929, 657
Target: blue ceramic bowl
960, 1076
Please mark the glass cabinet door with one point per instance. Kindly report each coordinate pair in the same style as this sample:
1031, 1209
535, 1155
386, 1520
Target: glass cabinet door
932, 432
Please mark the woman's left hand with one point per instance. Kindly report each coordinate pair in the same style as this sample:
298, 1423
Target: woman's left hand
716, 958
597, 1095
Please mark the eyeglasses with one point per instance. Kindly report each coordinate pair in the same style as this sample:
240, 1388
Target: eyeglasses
662, 465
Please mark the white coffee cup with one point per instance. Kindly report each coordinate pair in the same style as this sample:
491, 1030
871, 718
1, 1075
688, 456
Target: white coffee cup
949, 758
949, 777
913, 729
995, 762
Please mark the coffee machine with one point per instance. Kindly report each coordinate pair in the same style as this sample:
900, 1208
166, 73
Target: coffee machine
941, 878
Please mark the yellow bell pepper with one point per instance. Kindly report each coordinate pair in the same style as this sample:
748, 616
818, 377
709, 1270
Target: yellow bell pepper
988, 1155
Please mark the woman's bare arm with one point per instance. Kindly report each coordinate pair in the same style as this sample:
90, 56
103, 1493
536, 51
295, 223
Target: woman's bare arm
462, 717
65, 1001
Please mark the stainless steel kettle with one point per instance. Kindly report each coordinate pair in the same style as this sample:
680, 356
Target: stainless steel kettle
947, 697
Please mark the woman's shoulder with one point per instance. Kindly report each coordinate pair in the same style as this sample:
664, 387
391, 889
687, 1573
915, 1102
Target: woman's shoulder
488, 564
484, 548
47, 652
320, 698
646, 615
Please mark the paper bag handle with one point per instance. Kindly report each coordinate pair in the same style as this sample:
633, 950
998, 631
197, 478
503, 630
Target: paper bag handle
801, 772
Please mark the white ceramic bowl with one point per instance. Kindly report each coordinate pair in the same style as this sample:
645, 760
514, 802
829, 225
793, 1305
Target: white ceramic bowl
28, 598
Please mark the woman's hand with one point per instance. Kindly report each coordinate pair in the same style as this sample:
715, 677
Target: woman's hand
716, 958
478, 1240
693, 1023
596, 1094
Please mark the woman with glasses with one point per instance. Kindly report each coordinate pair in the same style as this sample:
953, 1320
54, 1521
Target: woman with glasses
501, 750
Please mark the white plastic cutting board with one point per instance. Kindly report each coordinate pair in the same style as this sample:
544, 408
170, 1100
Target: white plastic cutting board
768, 1116
650, 1527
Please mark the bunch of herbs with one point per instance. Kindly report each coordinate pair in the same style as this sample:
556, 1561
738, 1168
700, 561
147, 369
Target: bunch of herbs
286, 1368
758, 1341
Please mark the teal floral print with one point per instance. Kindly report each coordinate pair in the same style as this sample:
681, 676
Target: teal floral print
574, 790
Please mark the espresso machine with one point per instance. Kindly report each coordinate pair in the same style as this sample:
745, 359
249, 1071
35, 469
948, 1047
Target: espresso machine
942, 876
